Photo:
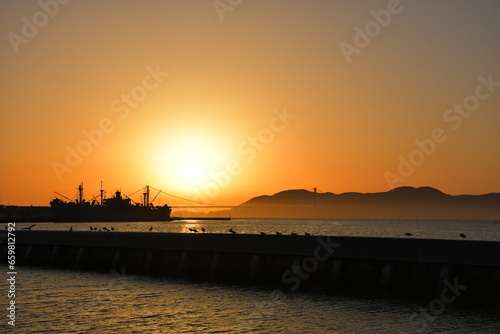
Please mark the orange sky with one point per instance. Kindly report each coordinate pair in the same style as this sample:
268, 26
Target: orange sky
223, 103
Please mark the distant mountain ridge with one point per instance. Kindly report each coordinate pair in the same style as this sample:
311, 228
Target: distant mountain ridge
403, 202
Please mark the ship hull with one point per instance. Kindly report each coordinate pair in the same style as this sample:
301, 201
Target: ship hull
72, 212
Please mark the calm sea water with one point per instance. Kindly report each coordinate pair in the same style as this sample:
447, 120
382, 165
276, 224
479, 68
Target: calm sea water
63, 301
60, 301
420, 228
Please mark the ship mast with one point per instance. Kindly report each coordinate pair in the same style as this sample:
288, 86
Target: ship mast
146, 196
80, 193
102, 193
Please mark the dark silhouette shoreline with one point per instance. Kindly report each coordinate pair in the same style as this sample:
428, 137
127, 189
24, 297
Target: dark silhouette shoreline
399, 203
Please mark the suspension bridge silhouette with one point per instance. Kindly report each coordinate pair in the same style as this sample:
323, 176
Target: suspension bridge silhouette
177, 202
160, 198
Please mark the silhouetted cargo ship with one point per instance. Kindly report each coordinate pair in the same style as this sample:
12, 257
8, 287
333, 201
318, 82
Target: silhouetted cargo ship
114, 209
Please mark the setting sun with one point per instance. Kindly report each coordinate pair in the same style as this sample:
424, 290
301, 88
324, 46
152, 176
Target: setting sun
186, 161
192, 173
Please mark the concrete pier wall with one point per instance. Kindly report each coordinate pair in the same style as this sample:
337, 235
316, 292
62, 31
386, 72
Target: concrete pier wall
292, 262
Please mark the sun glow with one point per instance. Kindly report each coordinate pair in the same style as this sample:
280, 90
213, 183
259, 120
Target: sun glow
185, 163
192, 173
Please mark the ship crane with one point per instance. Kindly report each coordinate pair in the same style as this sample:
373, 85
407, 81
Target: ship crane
102, 194
79, 199
62, 196
80, 193
159, 191
146, 196
101, 201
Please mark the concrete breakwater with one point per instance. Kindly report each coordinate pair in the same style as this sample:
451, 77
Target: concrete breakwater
289, 261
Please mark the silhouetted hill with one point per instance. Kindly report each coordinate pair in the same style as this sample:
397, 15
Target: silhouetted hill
402, 202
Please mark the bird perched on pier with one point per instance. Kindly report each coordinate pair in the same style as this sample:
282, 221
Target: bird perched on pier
278, 233
194, 230
307, 234
293, 233
151, 228
408, 234
28, 228
232, 231
112, 229
71, 229
106, 229
91, 228
203, 229
463, 235
262, 233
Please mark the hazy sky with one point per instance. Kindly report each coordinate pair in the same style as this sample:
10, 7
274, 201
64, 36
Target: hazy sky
225, 100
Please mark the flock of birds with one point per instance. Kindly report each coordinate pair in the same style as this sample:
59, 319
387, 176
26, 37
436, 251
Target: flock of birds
98, 229
463, 236
194, 230
191, 229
